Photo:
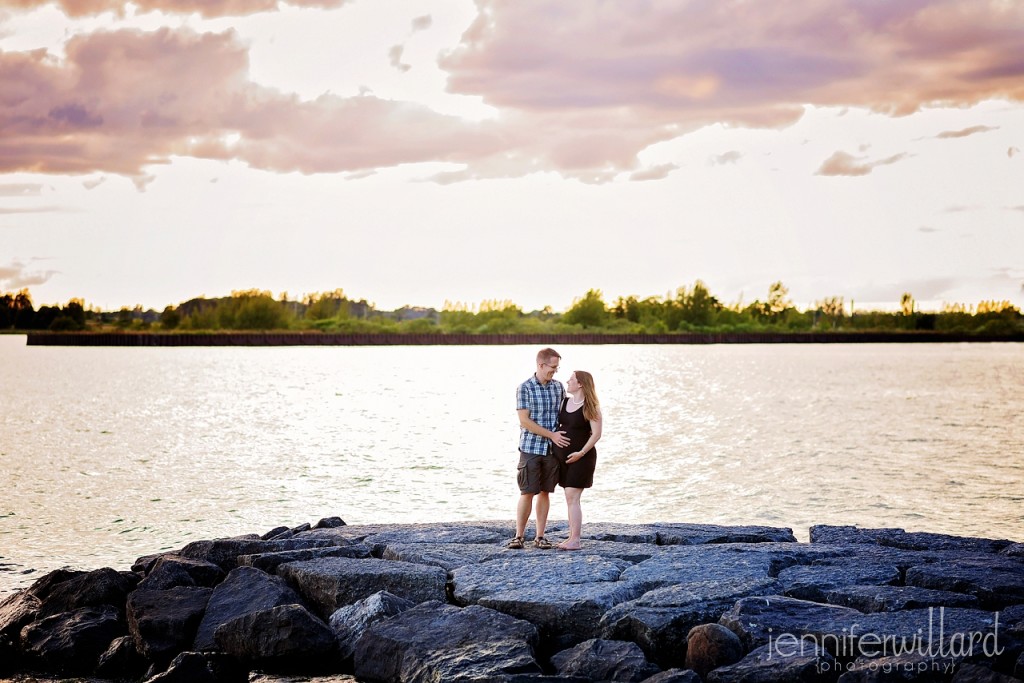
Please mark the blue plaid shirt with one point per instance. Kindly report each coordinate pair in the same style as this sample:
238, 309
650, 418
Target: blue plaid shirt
543, 401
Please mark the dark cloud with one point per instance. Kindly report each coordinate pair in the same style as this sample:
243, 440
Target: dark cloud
17, 275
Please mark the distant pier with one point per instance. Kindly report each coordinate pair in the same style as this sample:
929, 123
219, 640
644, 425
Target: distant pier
391, 339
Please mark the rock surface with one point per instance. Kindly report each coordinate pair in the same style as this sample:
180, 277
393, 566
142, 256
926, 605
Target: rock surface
433, 602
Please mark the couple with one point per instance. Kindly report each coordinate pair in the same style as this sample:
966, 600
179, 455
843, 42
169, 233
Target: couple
556, 446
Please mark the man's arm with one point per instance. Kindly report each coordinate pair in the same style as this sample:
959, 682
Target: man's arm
557, 438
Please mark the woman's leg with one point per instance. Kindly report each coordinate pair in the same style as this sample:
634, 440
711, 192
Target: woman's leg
572, 502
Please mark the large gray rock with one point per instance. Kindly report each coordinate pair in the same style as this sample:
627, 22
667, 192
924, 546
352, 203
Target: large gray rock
709, 646
350, 622
604, 660
438, 642
457, 535
660, 620
974, 673
563, 594
674, 676
92, 589
812, 582
756, 620
282, 637
169, 571
269, 562
121, 660
898, 538
224, 552
765, 665
164, 622
244, 590
202, 667
997, 581
72, 642
334, 582
447, 556
698, 534
895, 598
16, 611
718, 562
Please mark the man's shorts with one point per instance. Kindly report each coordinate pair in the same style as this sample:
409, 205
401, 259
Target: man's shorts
537, 473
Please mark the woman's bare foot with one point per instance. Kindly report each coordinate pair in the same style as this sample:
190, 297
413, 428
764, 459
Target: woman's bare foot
569, 545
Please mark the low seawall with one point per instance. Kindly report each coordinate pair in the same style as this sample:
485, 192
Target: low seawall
331, 339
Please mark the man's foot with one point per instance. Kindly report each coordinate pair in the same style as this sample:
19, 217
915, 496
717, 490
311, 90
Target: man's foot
515, 544
542, 543
566, 545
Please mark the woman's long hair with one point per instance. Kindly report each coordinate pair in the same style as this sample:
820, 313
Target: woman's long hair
591, 406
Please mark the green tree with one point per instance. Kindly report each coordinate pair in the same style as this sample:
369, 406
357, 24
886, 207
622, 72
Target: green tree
588, 311
170, 318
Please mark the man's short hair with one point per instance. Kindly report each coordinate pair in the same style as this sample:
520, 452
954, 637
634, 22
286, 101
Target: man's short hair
547, 354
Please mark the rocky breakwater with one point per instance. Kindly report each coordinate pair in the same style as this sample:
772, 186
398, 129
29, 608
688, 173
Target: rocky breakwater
447, 602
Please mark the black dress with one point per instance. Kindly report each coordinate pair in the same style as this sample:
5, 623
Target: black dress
580, 474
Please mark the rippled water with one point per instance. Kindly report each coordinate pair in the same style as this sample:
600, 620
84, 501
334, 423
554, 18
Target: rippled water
107, 454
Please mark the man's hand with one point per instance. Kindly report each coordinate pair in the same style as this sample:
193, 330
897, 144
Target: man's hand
560, 439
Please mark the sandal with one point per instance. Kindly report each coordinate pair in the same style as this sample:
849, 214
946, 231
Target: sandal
542, 543
515, 544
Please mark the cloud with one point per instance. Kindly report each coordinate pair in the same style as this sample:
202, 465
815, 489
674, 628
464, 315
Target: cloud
843, 163
1012, 152
4, 211
653, 172
927, 229
18, 275
205, 8
1016, 208
93, 184
20, 189
395, 57
965, 132
579, 88
728, 158
422, 23
961, 208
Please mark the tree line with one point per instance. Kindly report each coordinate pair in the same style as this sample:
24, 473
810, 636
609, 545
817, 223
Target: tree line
689, 309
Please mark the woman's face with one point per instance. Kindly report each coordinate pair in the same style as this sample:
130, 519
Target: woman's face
572, 384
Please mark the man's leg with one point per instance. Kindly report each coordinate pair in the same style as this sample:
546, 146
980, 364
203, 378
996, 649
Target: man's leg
543, 505
523, 509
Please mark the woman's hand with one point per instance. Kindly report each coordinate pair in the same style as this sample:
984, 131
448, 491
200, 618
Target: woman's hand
573, 457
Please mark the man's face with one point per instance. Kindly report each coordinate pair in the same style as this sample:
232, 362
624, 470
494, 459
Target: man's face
547, 368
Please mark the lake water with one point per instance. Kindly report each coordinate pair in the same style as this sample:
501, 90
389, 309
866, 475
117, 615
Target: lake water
107, 454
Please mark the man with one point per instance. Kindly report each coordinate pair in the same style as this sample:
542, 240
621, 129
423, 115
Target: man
537, 402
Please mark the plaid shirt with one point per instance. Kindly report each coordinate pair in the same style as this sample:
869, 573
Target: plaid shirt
543, 401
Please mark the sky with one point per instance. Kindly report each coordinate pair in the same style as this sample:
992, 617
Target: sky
413, 152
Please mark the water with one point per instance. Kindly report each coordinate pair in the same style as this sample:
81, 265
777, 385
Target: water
107, 454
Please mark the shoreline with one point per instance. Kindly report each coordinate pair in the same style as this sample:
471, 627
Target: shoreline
398, 339
447, 601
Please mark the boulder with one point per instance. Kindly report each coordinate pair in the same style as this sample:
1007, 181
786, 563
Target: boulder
244, 590
439, 642
1013, 550
329, 523
895, 598
699, 534
121, 660
898, 538
282, 637
201, 667
91, 589
269, 562
909, 666
674, 676
604, 660
757, 619
812, 582
164, 622
224, 552
274, 533
765, 665
349, 622
460, 535
169, 571
333, 582
997, 581
72, 642
563, 594
709, 646
447, 556
16, 611
660, 620
974, 673
728, 562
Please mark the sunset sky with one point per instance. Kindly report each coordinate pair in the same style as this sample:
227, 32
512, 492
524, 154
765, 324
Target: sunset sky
413, 151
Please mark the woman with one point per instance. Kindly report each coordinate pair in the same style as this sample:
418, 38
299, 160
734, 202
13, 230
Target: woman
580, 418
